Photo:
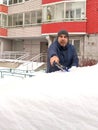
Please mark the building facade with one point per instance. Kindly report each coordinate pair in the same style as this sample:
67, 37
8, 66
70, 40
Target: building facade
30, 26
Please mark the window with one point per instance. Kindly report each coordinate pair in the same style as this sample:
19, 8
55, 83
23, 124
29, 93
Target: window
17, 19
59, 11
5, 2
70, 14
10, 20
64, 11
15, 1
74, 10
33, 17
27, 18
20, 19
53, 12
10, 2
76, 43
15, 22
20, 1
4, 20
78, 13
48, 13
39, 16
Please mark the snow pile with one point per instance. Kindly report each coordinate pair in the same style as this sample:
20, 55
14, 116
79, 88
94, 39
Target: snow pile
54, 101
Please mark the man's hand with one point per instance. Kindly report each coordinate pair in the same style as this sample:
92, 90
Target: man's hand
54, 59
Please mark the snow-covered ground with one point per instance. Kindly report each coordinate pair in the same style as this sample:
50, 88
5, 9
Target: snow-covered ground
54, 101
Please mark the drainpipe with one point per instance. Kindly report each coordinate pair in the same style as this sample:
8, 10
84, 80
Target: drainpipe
49, 39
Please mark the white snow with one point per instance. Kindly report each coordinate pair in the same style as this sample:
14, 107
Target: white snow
54, 101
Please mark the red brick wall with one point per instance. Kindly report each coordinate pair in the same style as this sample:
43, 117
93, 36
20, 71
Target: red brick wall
92, 16
69, 26
3, 32
3, 8
50, 1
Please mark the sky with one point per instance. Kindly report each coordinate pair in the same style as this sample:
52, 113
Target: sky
50, 101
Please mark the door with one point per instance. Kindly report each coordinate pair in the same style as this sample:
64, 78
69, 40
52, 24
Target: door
43, 51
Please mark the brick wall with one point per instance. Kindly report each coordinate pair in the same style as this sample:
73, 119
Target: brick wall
92, 16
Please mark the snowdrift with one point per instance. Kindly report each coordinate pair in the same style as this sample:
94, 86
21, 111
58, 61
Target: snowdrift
54, 101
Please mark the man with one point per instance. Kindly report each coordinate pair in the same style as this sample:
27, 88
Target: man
61, 52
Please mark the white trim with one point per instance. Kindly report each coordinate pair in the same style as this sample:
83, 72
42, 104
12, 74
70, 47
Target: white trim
77, 33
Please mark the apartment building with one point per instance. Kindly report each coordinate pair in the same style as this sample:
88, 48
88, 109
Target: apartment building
20, 27
30, 26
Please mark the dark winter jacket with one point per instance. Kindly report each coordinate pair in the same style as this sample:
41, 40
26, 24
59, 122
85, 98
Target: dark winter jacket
67, 56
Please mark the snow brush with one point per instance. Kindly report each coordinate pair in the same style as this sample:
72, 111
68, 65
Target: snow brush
61, 67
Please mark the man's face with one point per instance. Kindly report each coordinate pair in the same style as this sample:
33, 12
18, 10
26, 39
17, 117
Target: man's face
63, 40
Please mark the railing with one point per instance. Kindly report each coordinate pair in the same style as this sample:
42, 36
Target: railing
38, 60
26, 69
13, 58
40, 57
16, 73
23, 57
14, 55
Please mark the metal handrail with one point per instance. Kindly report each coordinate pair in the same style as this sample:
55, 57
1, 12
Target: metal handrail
35, 58
38, 56
11, 54
16, 72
